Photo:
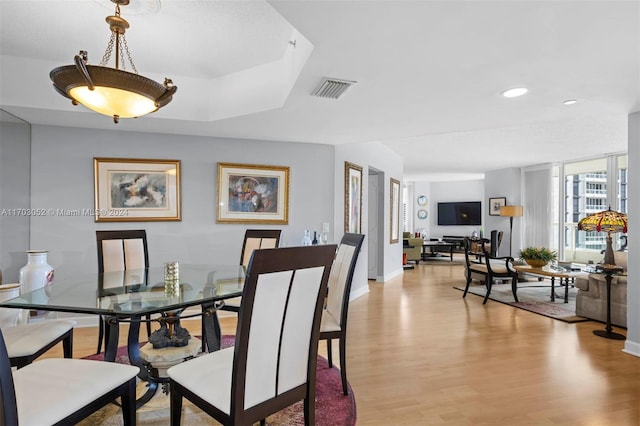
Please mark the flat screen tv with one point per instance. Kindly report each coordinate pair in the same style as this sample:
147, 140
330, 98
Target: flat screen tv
460, 213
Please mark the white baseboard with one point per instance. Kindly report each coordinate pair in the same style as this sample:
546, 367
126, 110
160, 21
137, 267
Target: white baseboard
358, 293
632, 348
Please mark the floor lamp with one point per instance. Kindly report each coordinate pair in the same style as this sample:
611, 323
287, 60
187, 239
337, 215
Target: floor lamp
606, 221
511, 212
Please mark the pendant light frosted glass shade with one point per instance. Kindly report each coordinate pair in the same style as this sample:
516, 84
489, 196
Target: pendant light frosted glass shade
112, 91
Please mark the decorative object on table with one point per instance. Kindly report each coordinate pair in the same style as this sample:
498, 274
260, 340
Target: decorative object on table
422, 214
172, 279
135, 190
352, 197
495, 204
422, 200
605, 221
394, 214
250, 193
112, 91
511, 212
37, 273
537, 257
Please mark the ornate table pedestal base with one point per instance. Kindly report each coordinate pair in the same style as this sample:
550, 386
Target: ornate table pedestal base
158, 361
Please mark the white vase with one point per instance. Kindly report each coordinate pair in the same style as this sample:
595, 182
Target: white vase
37, 273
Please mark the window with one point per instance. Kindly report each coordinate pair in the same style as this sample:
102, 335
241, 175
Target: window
589, 188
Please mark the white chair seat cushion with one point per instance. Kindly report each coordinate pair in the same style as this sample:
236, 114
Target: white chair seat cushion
478, 267
208, 376
498, 266
27, 339
328, 323
49, 390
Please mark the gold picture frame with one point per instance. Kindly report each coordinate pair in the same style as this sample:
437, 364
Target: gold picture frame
352, 198
394, 214
251, 193
136, 190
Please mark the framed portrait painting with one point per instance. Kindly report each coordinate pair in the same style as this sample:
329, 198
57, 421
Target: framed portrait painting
394, 202
352, 198
136, 190
495, 204
250, 193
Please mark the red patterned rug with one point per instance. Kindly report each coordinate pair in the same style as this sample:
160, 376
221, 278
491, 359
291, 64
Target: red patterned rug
332, 407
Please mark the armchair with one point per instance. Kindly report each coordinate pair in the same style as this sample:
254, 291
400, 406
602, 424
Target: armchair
412, 247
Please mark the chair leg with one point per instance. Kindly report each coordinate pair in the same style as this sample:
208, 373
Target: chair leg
175, 403
488, 283
329, 353
100, 333
128, 402
514, 288
309, 410
343, 362
466, 287
148, 317
67, 344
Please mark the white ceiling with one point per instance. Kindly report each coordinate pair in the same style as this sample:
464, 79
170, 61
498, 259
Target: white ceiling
429, 73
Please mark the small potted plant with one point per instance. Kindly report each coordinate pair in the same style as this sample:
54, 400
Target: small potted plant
537, 257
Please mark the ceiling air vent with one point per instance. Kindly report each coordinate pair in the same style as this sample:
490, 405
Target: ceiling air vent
332, 88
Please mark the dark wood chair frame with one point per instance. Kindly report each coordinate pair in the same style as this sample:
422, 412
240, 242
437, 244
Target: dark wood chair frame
356, 241
265, 261
9, 411
489, 273
253, 233
118, 235
67, 349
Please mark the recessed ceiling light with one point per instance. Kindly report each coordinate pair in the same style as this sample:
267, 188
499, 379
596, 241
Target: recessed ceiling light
514, 93
570, 102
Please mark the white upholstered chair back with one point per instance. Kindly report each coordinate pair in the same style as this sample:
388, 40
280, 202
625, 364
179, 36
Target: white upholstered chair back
256, 243
256, 239
122, 257
279, 319
338, 280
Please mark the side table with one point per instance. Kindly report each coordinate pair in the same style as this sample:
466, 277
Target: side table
608, 271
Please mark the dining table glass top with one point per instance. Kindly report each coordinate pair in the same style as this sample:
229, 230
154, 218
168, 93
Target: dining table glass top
135, 292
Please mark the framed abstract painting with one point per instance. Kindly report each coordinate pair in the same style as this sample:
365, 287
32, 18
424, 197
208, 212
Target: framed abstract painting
352, 198
250, 193
136, 190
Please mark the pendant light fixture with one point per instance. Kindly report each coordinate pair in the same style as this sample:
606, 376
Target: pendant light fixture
112, 91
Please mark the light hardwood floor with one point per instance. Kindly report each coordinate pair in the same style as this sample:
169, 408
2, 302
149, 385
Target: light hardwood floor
420, 354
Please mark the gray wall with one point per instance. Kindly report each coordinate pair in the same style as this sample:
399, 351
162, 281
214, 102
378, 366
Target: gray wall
505, 183
632, 345
15, 149
469, 190
62, 178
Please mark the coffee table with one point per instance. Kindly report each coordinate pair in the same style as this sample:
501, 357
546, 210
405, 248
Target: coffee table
434, 246
547, 272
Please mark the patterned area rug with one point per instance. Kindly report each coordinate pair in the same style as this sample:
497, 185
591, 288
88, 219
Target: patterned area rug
332, 407
534, 297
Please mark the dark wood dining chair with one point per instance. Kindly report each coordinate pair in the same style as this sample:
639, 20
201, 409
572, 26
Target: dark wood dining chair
254, 239
334, 317
273, 362
118, 251
61, 391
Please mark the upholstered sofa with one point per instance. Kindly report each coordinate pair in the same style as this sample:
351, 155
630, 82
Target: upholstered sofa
412, 247
591, 300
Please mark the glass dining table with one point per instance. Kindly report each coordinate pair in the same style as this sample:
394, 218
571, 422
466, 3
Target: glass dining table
131, 296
